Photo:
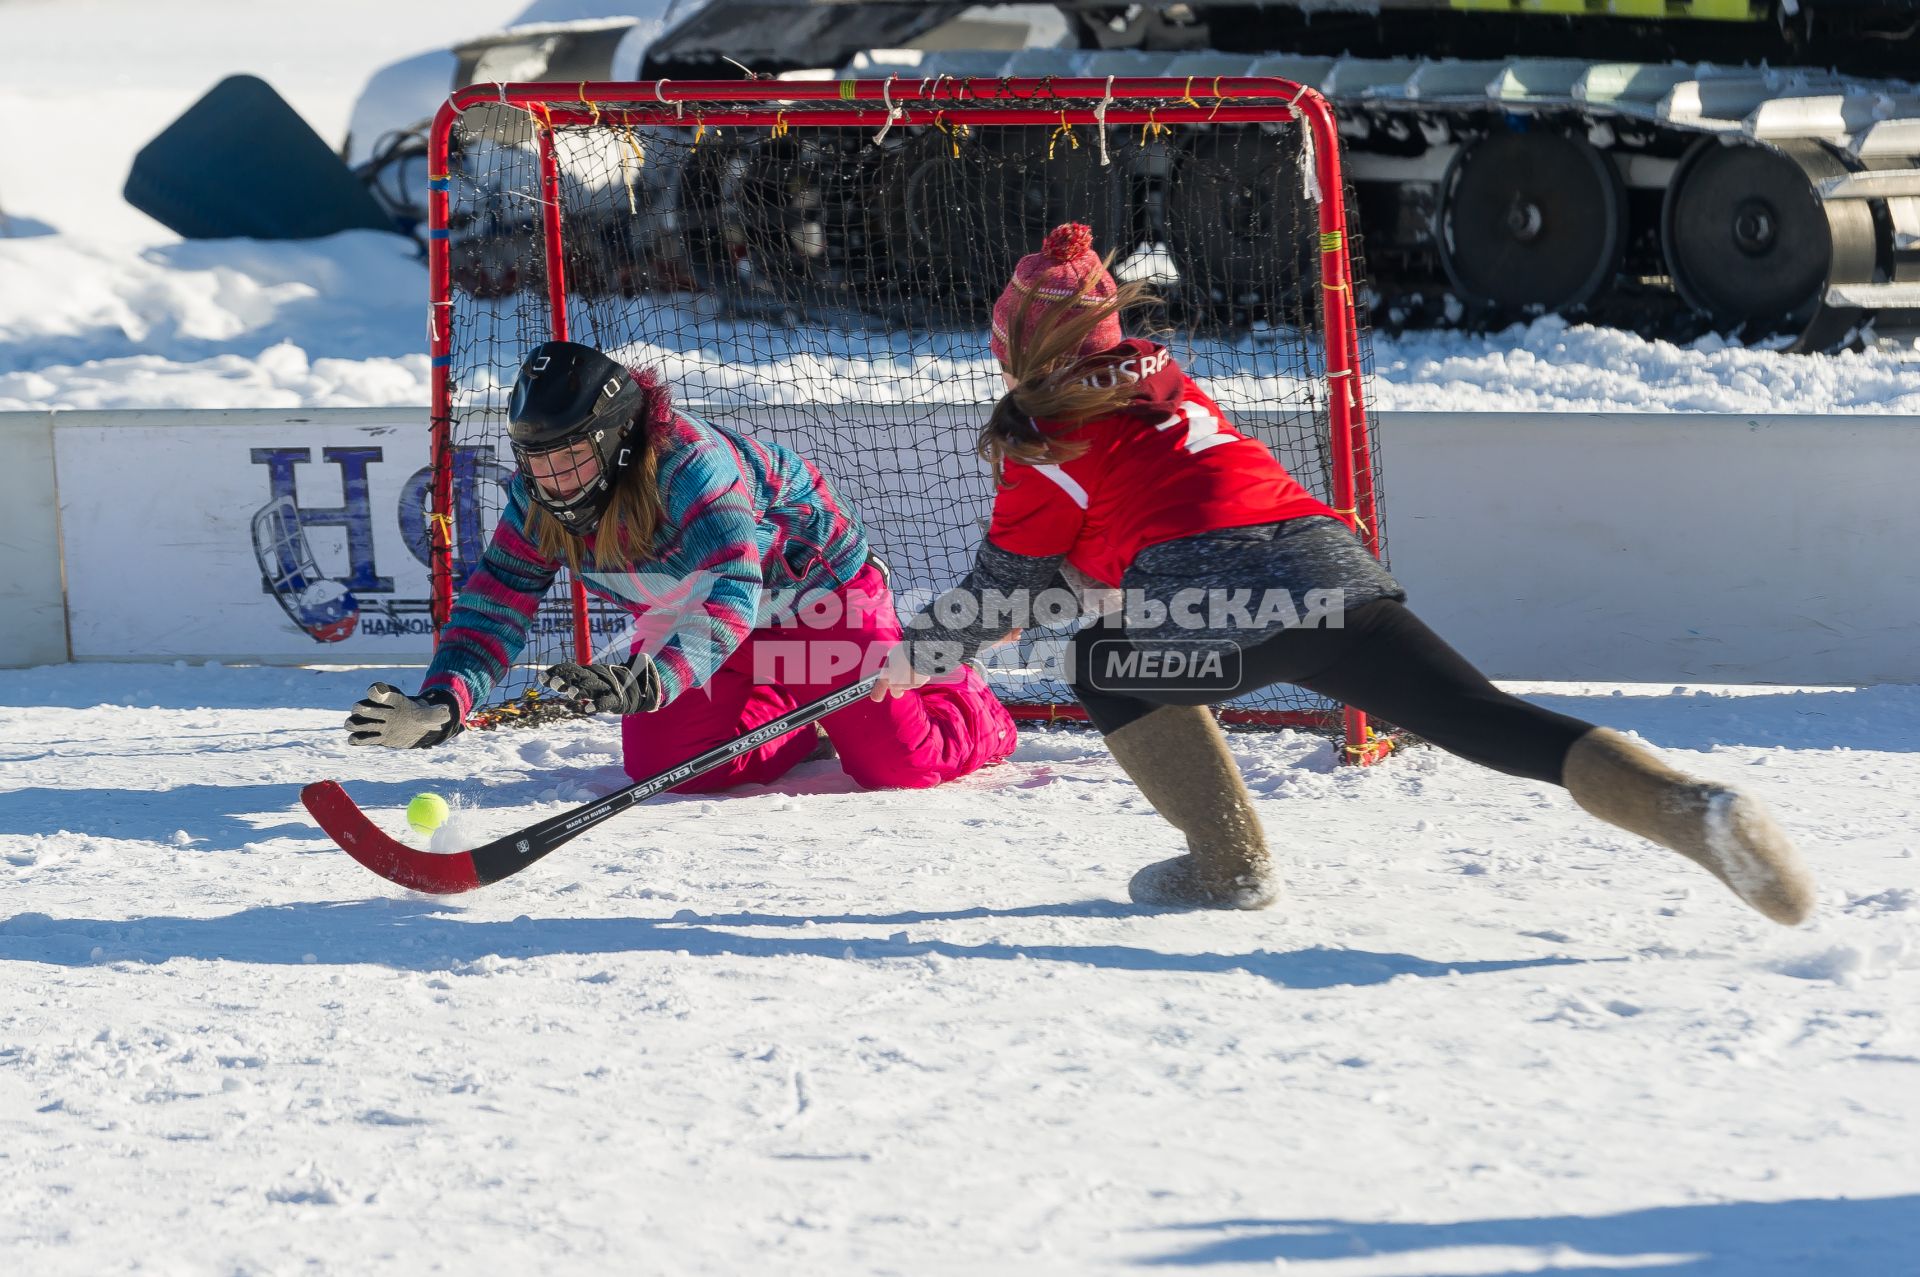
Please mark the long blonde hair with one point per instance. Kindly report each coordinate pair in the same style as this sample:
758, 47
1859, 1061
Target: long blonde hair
1051, 382
627, 530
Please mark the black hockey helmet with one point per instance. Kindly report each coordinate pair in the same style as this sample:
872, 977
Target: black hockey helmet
568, 394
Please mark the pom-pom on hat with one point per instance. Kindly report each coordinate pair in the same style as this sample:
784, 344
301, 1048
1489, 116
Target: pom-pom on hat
656, 403
1065, 262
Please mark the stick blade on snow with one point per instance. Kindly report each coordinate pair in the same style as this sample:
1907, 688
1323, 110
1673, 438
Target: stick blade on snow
440, 873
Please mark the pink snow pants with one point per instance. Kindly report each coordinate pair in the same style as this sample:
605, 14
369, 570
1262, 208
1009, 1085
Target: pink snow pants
934, 733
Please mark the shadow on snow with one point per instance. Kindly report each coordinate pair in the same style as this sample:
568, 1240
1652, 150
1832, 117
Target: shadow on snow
419, 935
1833, 1237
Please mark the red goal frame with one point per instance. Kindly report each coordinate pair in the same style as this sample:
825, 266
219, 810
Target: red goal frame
1068, 102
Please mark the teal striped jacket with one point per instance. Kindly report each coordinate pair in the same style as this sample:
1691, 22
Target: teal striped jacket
749, 528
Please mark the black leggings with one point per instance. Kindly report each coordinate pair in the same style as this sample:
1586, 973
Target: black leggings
1384, 661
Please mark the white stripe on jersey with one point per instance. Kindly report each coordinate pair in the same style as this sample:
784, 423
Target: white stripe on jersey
1068, 484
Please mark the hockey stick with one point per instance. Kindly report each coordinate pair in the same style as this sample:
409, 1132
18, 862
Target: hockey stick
447, 873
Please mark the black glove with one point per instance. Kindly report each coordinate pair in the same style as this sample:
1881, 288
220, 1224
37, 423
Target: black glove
388, 716
610, 689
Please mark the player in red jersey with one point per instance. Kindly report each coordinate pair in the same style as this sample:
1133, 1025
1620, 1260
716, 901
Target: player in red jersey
1115, 466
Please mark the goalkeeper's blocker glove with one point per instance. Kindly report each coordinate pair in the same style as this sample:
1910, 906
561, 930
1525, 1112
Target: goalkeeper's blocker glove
633, 688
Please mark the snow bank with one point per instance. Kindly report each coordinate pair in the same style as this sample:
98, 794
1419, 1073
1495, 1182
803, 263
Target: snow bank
211, 324
339, 323
84, 84
1553, 365
100, 308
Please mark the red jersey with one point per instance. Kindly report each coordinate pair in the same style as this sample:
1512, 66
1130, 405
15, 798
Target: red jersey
1168, 465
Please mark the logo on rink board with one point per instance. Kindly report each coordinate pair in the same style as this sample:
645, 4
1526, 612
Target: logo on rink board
333, 595
325, 608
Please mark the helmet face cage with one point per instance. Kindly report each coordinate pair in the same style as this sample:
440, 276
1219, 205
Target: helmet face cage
579, 476
568, 395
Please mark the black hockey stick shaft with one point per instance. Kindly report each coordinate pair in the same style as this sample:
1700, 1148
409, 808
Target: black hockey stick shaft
451, 872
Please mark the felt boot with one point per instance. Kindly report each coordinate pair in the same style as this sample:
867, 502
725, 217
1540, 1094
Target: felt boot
1178, 757
1720, 828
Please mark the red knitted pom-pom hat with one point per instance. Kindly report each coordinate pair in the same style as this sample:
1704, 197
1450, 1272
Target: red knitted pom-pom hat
1066, 260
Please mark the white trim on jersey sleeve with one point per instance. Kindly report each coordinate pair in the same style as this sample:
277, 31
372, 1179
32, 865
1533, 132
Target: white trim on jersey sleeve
1067, 483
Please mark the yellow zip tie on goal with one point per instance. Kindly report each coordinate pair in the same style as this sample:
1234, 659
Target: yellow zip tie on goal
639, 161
952, 132
591, 106
1186, 95
1353, 512
1065, 128
779, 125
1152, 128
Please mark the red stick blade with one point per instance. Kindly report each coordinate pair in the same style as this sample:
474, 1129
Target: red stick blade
440, 873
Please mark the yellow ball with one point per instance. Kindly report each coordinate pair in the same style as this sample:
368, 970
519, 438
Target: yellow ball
427, 812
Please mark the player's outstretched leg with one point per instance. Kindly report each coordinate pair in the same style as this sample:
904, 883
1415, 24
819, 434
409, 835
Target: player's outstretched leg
1385, 661
1720, 828
1391, 665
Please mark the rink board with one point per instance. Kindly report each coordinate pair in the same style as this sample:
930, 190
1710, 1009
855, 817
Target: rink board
1641, 547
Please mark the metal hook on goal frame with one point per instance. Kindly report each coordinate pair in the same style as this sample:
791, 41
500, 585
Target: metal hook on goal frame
893, 112
660, 96
1100, 123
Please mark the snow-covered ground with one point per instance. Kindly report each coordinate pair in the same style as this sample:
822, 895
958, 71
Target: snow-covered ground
804, 1029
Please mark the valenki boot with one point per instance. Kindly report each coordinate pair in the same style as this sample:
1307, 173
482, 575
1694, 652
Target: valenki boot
1718, 827
1179, 759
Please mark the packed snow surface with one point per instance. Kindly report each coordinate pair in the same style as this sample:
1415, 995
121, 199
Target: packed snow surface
807, 1029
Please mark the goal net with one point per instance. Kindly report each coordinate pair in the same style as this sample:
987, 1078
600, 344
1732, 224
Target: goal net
815, 262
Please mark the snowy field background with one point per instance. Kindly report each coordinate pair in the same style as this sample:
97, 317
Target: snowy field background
804, 1029
100, 307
